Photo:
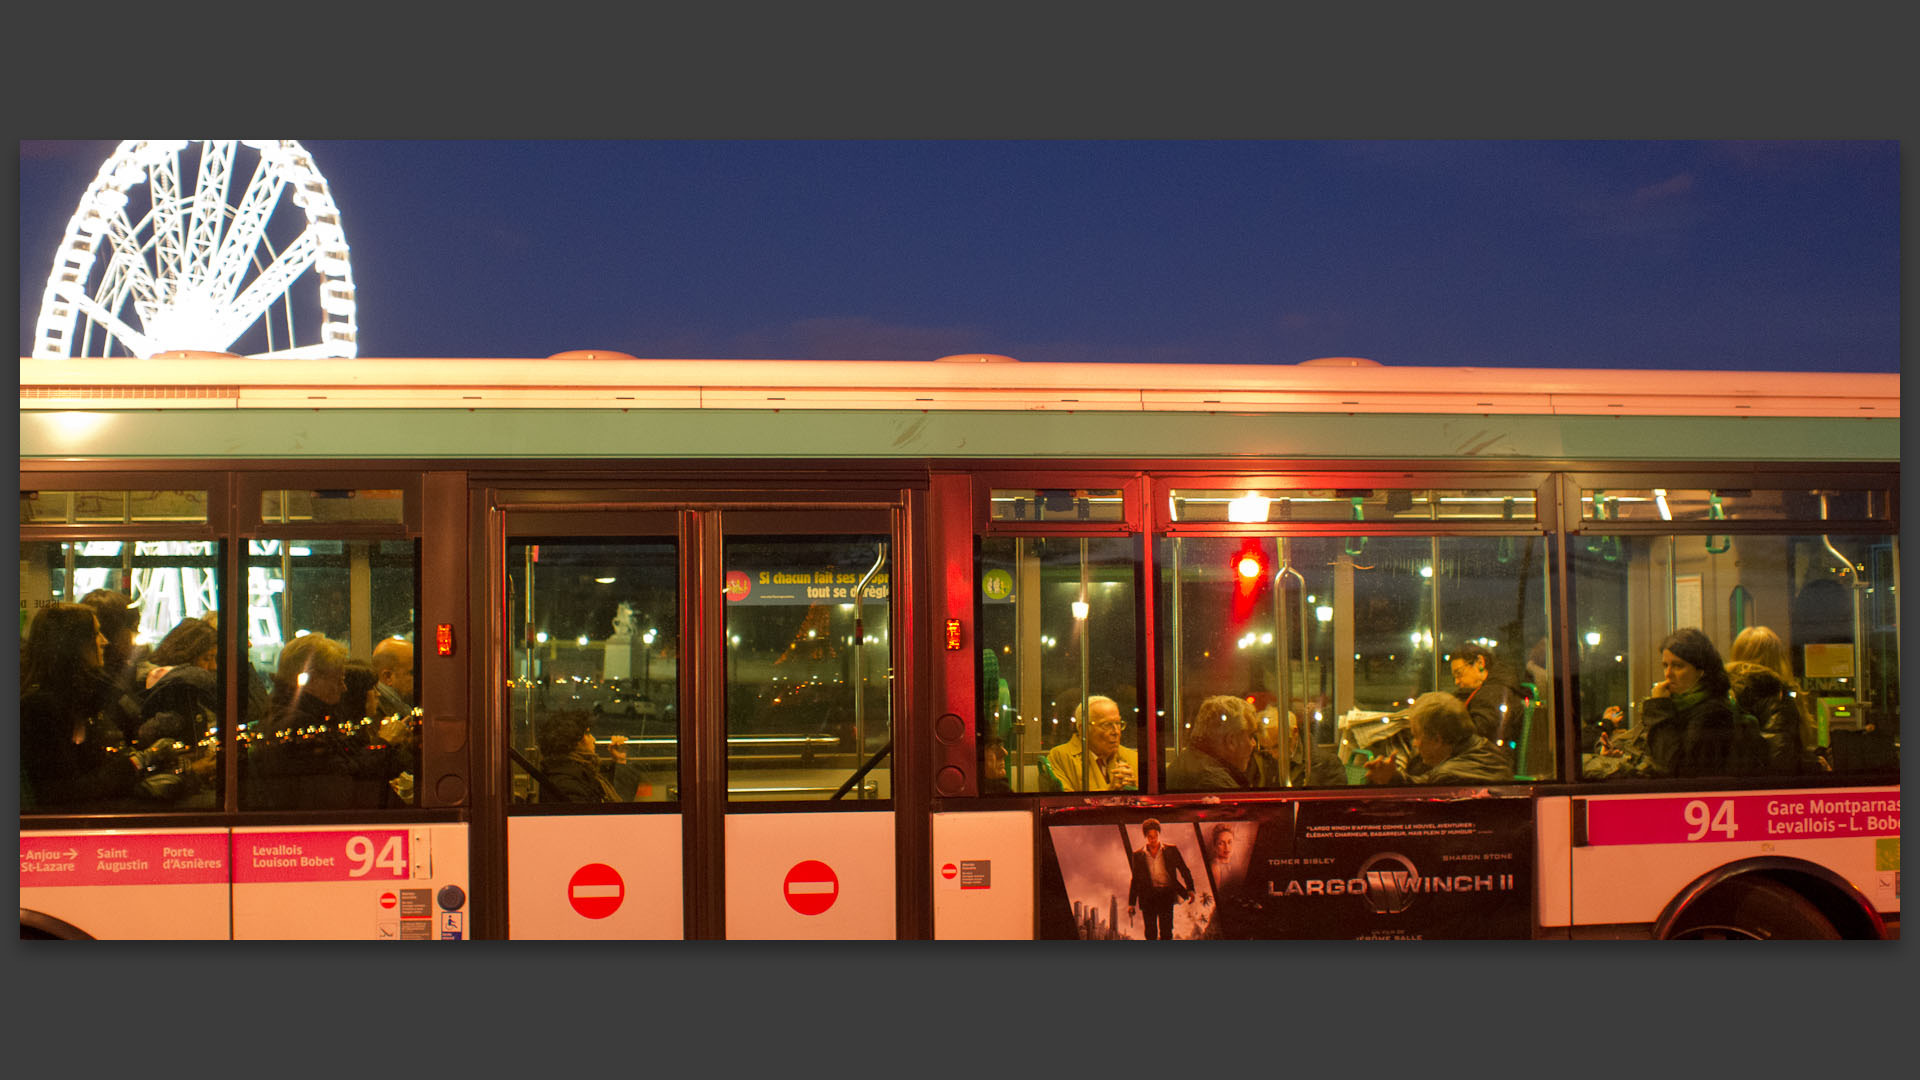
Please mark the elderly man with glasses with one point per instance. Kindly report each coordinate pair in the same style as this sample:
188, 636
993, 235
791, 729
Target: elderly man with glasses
1111, 767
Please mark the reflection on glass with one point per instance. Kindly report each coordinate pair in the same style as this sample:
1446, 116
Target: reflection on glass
1329, 640
121, 700
342, 505
330, 675
595, 678
809, 667
111, 507
1814, 673
1058, 504
1057, 626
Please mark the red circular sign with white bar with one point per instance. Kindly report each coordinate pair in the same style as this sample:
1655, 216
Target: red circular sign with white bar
596, 890
388, 900
811, 887
948, 871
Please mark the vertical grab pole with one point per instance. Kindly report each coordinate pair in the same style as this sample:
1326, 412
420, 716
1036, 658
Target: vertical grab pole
1433, 561
1083, 617
859, 656
1286, 669
1174, 663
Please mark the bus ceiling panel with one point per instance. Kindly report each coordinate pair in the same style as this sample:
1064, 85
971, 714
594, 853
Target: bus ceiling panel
879, 435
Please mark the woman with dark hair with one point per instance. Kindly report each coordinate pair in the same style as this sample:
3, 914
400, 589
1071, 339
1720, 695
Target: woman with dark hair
70, 755
1687, 724
182, 697
1486, 687
360, 700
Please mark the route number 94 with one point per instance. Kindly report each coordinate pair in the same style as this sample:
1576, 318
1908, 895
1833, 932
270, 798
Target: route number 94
393, 856
1705, 820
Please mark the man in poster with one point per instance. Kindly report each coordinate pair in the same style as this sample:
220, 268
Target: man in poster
1160, 876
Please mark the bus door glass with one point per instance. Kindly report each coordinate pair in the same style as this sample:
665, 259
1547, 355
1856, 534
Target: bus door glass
809, 665
590, 671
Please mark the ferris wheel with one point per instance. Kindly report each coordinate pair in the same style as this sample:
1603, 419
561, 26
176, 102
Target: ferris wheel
249, 259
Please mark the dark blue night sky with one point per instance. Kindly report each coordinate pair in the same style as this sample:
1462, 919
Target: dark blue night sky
1672, 254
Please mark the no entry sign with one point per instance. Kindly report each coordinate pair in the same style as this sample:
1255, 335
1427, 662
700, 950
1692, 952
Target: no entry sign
595, 890
389, 900
949, 871
811, 887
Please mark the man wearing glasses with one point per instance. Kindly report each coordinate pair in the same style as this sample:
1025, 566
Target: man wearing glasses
1112, 767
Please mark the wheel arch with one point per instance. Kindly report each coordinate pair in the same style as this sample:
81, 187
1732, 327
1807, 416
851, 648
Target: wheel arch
39, 924
1836, 897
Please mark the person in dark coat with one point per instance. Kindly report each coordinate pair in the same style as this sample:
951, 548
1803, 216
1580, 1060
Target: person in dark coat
1484, 685
182, 698
1687, 725
1786, 723
71, 756
570, 758
1219, 747
1783, 726
1160, 876
1447, 748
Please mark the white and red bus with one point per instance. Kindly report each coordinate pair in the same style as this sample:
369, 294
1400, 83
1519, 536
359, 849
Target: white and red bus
745, 649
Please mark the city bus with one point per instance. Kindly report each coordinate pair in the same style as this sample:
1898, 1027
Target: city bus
742, 649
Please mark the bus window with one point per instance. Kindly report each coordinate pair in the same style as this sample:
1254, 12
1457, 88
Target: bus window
1814, 674
595, 633
1057, 628
134, 724
809, 667
330, 633
1329, 640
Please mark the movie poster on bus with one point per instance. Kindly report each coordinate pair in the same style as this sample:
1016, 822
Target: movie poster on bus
1377, 868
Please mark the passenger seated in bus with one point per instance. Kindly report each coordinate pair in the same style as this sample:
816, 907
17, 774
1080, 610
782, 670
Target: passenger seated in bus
308, 686
71, 756
1687, 726
570, 758
1764, 686
182, 699
1113, 766
120, 622
1219, 746
1485, 686
1447, 748
180, 689
360, 701
993, 772
392, 662
1263, 767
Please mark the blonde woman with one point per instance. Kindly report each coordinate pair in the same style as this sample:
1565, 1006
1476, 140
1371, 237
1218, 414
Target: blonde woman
1764, 685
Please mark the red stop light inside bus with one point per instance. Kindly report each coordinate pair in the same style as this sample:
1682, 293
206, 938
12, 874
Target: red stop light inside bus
1250, 563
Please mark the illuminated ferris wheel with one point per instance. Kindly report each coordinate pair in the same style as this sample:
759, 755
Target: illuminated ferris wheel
220, 246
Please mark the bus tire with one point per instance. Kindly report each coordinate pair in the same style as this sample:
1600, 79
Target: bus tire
39, 926
1752, 908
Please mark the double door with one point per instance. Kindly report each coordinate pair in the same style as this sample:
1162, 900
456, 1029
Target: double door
693, 715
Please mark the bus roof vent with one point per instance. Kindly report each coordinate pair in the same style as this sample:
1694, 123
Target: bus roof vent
592, 354
1340, 361
976, 358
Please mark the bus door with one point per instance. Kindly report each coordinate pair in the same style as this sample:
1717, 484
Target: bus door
695, 721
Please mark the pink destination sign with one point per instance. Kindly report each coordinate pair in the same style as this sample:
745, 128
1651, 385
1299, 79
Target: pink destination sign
1796, 815
321, 855
55, 859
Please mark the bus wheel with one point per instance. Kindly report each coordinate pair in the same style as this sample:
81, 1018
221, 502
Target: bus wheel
39, 926
1754, 909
